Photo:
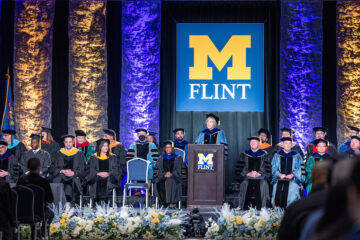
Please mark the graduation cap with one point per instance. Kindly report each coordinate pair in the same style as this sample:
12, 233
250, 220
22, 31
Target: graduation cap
46, 129
101, 141
9, 131
254, 138
178, 129
317, 141
3, 143
168, 142
80, 133
217, 119
355, 137
286, 139
142, 130
67, 136
152, 134
323, 129
353, 128
286, 129
110, 132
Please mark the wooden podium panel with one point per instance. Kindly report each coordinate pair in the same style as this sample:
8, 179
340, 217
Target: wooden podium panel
205, 175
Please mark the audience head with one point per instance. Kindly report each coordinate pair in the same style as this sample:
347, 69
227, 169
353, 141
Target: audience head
320, 172
68, 141
254, 143
103, 147
321, 145
34, 165
169, 147
179, 134
3, 147
320, 132
211, 121
8, 135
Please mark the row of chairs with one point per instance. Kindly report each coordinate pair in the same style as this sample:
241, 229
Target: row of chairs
29, 209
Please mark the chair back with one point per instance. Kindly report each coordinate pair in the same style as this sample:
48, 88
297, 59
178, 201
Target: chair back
25, 209
39, 201
14, 205
137, 170
180, 152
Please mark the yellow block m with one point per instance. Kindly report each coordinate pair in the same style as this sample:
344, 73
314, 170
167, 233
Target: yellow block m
208, 159
235, 48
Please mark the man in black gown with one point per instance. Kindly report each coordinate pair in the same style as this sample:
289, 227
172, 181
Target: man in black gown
7, 161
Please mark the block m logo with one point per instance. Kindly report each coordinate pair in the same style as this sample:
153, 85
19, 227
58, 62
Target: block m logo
206, 160
235, 48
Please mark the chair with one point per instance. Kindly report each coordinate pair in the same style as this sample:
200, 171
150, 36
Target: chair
39, 205
180, 152
137, 170
14, 197
25, 209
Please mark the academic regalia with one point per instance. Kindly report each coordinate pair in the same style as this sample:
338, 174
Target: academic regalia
52, 148
7, 216
257, 188
17, 148
181, 145
345, 146
73, 160
87, 149
286, 191
42, 155
295, 147
120, 152
145, 150
214, 136
101, 187
350, 153
168, 189
311, 148
7, 162
315, 157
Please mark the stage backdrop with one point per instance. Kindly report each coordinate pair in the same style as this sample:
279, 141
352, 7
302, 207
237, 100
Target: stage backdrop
237, 125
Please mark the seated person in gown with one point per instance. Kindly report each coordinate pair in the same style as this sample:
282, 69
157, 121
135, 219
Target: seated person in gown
320, 133
103, 171
48, 143
181, 143
254, 188
288, 133
320, 155
7, 161
352, 131
34, 177
286, 175
211, 134
69, 169
354, 150
36, 152
168, 181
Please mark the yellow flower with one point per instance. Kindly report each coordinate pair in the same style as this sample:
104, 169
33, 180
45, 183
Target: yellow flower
95, 219
155, 215
53, 229
274, 224
100, 219
232, 219
62, 221
238, 220
162, 213
67, 219
63, 224
114, 224
147, 234
261, 222
64, 215
155, 220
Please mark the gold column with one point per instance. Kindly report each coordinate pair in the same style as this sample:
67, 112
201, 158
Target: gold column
32, 66
348, 57
87, 60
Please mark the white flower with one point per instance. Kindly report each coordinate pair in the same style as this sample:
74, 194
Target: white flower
88, 228
82, 223
214, 228
76, 231
174, 222
264, 215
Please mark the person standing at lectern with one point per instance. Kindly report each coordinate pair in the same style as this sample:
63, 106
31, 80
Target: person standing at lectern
211, 134
254, 188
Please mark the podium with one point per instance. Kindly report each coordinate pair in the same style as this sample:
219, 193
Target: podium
205, 176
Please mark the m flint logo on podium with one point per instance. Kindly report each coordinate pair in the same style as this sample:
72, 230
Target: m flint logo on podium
220, 67
205, 161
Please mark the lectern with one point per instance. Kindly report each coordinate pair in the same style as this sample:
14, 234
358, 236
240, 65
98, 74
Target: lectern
205, 176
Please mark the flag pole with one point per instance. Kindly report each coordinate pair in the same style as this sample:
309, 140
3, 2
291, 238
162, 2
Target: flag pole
6, 98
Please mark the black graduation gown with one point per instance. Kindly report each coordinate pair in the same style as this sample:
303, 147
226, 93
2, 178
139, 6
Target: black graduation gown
110, 182
52, 149
168, 190
17, 152
310, 150
7, 163
258, 188
75, 162
42, 155
120, 153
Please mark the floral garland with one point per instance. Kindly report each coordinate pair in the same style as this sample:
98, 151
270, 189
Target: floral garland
108, 223
252, 224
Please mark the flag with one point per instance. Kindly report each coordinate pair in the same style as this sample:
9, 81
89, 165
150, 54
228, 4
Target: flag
8, 116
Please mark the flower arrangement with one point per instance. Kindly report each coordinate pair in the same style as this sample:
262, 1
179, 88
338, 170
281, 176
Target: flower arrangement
108, 223
252, 224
